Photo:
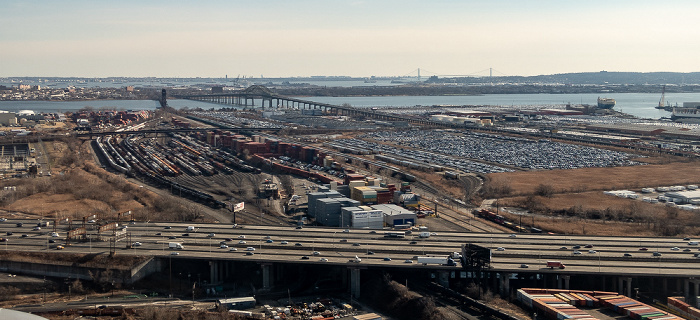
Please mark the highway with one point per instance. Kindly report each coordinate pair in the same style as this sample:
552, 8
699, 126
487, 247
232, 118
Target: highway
338, 246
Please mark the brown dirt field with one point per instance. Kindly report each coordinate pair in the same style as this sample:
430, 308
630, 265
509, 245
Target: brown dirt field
676, 173
62, 205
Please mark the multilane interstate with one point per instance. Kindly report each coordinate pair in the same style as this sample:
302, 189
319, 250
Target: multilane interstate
515, 253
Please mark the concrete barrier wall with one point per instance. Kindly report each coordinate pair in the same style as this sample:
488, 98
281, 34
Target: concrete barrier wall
83, 273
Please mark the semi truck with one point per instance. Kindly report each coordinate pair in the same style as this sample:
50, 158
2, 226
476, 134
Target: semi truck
443, 261
555, 264
175, 245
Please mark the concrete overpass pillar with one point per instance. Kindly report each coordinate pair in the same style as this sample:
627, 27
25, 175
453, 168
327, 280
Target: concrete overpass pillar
443, 278
355, 283
629, 287
566, 281
559, 282
620, 289
505, 284
213, 272
664, 285
267, 275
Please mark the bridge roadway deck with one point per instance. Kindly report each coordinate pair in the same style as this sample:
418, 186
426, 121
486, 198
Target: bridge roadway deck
338, 247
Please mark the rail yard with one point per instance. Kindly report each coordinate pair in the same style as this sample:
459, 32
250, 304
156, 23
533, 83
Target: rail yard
374, 196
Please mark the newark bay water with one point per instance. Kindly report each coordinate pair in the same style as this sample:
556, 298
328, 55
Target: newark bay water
640, 105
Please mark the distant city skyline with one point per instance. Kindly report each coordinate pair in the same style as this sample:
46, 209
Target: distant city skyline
345, 38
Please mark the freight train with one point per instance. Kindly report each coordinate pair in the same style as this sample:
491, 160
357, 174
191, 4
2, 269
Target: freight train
499, 219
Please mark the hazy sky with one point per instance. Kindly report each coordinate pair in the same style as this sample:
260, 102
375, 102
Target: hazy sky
172, 38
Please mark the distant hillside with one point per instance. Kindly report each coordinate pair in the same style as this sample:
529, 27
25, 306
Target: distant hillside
593, 78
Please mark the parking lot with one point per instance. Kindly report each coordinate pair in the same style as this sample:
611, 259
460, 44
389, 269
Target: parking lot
505, 150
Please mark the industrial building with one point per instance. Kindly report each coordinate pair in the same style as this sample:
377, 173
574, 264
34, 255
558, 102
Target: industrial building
688, 196
362, 217
8, 118
395, 215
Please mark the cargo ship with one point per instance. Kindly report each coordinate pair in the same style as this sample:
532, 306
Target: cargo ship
606, 103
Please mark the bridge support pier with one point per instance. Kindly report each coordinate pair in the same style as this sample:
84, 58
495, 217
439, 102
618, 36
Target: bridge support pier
267, 275
213, 271
355, 283
505, 284
624, 286
443, 278
564, 281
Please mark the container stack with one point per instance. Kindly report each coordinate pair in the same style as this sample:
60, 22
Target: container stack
634, 309
562, 304
679, 305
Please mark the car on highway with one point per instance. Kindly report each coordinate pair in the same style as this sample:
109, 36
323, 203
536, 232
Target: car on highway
36, 228
500, 249
592, 251
25, 235
576, 247
172, 237
3, 220
675, 248
577, 252
346, 230
232, 249
50, 240
269, 241
228, 239
19, 224
627, 255
387, 259
223, 246
249, 253
512, 235
323, 260
524, 266
370, 252
373, 232
316, 253
241, 237
413, 242
298, 244
343, 240
185, 234
91, 221
54, 234
268, 237
686, 250
643, 249
284, 242
305, 258
242, 242
656, 254
408, 261
167, 228
59, 247
686, 239
250, 249
563, 248
174, 253
137, 244
211, 235
588, 246
355, 244
9, 233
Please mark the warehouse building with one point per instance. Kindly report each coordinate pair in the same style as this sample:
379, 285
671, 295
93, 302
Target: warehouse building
680, 197
395, 215
362, 217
